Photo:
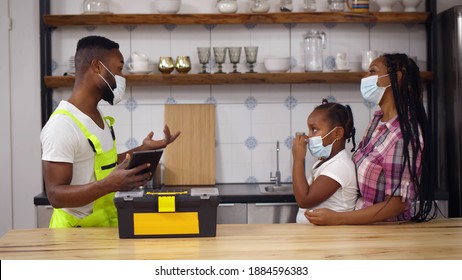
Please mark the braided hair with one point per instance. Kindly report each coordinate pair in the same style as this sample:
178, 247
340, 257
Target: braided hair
340, 115
414, 126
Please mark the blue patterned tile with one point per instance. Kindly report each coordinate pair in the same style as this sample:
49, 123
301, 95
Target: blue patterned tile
210, 27
329, 62
329, 25
290, 25
369, 25
131, 143
54, 104
171, 100
251, 103
249, 26
368, 104
170, 27
288, 142
331, 99
290, 102
211, 100
293, 62
251, 180
409, 25
130, 27
251, 143
131, 104
54, 65
90, 28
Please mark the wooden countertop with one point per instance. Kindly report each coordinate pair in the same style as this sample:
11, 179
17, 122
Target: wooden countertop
438, 239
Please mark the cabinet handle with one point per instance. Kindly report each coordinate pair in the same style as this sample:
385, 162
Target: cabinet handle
226, 204
276, 204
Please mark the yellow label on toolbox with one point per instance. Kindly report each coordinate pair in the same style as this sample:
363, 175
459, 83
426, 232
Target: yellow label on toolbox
166, 203
165, 223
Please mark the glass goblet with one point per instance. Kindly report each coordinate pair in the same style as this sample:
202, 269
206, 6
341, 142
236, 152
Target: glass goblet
220, 56
251, 57
234, 57
204, 57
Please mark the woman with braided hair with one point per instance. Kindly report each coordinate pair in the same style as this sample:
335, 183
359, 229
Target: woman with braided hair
332, 183
391, 160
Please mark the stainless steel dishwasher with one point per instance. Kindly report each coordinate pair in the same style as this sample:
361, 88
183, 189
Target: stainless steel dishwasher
271, 213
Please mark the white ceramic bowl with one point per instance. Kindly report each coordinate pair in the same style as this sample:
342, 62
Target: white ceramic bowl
277, 64
168, 6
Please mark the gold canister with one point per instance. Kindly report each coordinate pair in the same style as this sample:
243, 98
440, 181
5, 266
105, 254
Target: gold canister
183, 64
166, 64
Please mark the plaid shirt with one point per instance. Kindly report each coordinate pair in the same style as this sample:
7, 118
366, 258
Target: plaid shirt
378, 161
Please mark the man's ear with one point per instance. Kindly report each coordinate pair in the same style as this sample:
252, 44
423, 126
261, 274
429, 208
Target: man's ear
95, 66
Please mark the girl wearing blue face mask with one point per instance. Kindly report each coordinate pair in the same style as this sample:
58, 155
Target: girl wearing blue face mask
392, 158
332, 183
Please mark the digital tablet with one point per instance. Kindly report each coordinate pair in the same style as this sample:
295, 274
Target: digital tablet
152, 157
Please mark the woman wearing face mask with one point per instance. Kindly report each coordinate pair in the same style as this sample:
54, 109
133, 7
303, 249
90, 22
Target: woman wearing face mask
332, 183
391, 159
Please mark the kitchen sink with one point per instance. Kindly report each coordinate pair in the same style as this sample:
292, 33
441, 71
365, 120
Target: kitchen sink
276, 189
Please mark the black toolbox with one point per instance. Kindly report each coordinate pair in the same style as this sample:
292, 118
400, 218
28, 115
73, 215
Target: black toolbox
167, 212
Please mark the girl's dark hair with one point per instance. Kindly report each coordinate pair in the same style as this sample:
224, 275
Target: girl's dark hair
414, 126
340, 115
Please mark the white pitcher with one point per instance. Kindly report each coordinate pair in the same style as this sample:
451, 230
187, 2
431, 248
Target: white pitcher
368, 57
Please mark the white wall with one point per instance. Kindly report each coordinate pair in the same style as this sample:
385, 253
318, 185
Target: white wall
21, 178
6, 218
20, 166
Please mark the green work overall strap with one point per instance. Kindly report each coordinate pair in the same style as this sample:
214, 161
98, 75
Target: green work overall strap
104, 211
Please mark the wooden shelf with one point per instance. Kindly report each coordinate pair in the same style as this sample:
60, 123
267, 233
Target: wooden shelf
222, 79
267, 18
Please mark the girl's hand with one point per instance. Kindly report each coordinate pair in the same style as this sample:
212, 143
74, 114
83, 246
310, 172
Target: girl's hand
322, 216
299, 147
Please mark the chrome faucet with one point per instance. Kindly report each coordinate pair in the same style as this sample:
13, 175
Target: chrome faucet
277, 178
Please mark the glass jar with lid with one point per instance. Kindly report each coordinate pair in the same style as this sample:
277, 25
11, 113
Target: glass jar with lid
96, 6
314, 43
336, 5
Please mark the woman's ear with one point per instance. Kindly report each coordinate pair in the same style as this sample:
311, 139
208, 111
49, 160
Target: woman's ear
399, 76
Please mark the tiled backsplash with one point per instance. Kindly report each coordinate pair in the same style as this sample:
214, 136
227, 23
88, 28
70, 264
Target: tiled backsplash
250, 118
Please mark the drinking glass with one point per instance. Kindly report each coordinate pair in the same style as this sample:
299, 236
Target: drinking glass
183, 64
166, 65
251, 57
234, 57
204, 57
220, 56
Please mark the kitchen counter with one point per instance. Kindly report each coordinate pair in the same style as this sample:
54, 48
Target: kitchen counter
437, 239
229, 193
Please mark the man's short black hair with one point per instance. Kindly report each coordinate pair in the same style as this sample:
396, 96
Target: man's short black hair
92, 47
96, 42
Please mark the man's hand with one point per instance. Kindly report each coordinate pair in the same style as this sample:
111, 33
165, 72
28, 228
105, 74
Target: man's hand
122, 179
150, 144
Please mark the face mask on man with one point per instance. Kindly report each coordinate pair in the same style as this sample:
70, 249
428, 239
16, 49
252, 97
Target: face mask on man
317, 149
119, 91
370, 91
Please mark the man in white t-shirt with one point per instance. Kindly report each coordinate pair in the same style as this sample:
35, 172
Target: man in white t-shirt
81, 167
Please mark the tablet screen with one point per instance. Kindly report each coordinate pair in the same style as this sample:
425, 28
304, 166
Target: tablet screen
152, 157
